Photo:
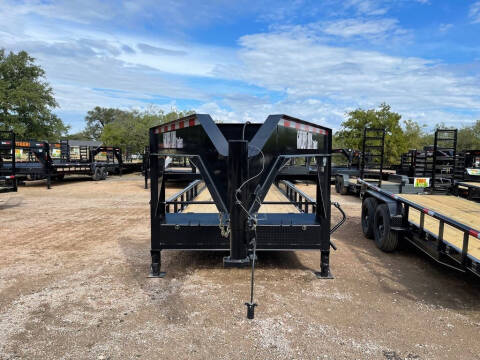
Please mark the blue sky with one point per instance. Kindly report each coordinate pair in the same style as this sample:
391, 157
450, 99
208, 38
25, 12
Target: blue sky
242, 60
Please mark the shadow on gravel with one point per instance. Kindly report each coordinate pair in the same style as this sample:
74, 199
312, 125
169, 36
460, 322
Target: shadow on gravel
55, 183
420, 278
11, 202
179, 264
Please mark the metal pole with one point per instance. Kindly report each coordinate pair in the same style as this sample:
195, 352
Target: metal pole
237, 175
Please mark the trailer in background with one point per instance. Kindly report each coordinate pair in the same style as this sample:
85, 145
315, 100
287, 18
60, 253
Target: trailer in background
8, 180
34, 161
467, 175
445, 227
370, 167
345, 161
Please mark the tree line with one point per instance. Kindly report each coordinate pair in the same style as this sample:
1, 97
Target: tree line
400, 135
27, 105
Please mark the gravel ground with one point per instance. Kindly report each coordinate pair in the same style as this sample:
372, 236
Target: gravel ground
74, 262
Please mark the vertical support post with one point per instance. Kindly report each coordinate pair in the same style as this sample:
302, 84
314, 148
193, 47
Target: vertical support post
157, 204
237, 174
323, 207
466, 237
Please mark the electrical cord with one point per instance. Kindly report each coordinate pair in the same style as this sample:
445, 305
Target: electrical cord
239, 189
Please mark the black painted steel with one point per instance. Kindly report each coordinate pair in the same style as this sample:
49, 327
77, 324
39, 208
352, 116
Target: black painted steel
8, 179
37, 163
238, 174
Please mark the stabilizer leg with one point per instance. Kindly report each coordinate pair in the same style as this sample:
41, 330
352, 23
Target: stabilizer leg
155, 267
324, 272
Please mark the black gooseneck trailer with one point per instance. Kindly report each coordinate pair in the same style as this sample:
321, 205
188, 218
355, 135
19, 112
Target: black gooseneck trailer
238, 163
35, 162
8, 180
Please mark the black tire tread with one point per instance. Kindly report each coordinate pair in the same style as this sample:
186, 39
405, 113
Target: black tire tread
369, 204
388, 242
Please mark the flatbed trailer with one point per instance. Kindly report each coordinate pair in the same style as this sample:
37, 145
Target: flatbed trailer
445, 227
468, 189
8, 180
36, 163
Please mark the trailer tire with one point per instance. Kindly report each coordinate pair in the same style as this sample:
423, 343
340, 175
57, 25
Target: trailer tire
369, 205
337, 187
97, 175
341, 186
104, 173
385, 239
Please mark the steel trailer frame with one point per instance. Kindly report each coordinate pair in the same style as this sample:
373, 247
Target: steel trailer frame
231, 167
434, 245
7, 175
371, 159
467, 176
40, 164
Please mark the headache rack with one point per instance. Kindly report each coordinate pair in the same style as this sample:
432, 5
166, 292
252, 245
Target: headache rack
8, 180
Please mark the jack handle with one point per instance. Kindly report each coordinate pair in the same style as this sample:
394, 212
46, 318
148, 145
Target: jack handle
339, 224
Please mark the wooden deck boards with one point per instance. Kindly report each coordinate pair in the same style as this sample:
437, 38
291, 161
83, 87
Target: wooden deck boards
469, 183
273, 195
458, 209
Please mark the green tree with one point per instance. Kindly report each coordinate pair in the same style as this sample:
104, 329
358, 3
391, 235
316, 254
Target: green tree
414, 134
351, 132
468, 138
26, 99
130, 128
98, 118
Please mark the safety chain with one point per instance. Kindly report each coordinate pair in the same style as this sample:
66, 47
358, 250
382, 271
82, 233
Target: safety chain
224, 230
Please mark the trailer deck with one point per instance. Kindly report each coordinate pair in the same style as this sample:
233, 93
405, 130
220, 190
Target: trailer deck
445, 227
458, 209
273, 195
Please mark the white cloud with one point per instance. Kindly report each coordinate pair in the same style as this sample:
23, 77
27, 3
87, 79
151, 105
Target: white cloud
475, 12
356, 27
445, 27
366, 7
311, 71
340, 77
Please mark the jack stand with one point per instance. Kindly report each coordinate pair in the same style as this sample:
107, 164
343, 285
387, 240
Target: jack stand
155, 267
324, 272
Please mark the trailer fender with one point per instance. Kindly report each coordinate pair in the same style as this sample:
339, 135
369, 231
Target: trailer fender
393, 206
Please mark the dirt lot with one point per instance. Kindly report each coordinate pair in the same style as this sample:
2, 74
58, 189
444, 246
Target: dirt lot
73, 285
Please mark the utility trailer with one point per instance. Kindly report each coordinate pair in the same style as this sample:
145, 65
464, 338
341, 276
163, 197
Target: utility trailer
467, 175
445, 227
238, 164
8, 180
345, 161
438, 162
370, 167
34, 162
